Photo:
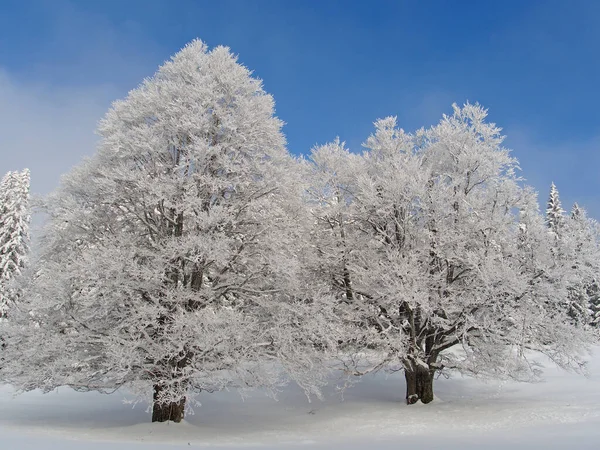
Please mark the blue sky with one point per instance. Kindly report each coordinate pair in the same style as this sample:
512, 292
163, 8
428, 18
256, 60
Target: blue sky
333, 67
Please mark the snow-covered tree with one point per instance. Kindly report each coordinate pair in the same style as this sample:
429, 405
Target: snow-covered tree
329, 196
582, 239
173, 257
554, 212
14, 233
577, 212
447, 249
593, 293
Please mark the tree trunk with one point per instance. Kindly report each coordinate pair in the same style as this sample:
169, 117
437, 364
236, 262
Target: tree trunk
419, 385
169, 411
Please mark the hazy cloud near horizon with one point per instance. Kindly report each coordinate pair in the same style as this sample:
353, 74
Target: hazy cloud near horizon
577, 162
48, 128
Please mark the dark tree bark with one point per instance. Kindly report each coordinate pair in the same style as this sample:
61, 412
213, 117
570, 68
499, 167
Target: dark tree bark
169, 411
419, 385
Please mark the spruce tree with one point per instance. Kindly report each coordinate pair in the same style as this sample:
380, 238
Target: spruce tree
554, 211
585, 237
14, 233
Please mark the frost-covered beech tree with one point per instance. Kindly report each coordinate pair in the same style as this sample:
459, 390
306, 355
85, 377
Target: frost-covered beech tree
14, 233
333, 236
443, 259
173, 257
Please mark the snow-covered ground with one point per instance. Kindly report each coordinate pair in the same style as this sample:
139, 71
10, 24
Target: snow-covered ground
562, 412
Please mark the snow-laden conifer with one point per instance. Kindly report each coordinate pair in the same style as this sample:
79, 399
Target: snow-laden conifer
582, 239
554, 212
14, 233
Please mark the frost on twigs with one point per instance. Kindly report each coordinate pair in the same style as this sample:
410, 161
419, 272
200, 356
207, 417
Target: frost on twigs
430, 241
173, 256
192, 253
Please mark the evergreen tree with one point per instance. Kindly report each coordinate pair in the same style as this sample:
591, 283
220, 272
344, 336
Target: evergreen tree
554, 211
594, 299
14, 233
582, 235
577, 212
